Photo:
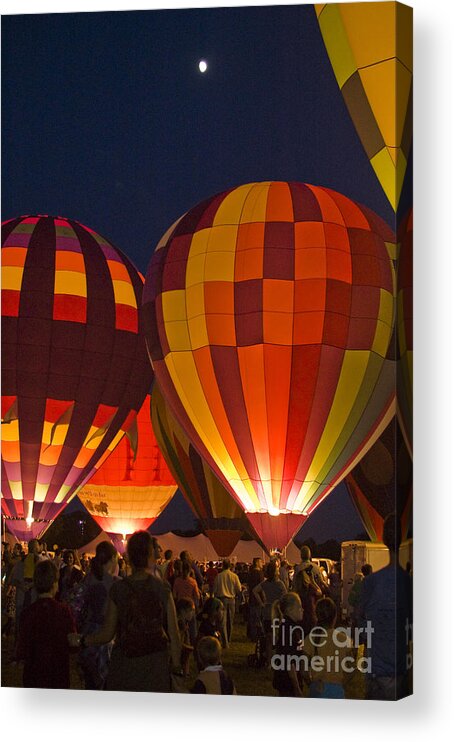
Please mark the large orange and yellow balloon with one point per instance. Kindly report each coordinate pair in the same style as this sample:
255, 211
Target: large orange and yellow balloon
221, 518
370, 49
133, 485
268, 313
74, 364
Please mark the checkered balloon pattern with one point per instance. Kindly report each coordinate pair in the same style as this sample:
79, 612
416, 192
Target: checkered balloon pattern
269, 313
74, 363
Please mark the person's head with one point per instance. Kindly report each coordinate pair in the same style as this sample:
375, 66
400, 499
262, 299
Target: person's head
289, 606
271, 570
213, 611
257, 563
168, 554
366, 569
225, 564
45, 578
209, 651
142, 550
186, 570
177, 567
305, 554
185, 556
157, 550
185, 608
326, 612
211, 564
69, 557
17, 550
392, 533
105, 560
34, 546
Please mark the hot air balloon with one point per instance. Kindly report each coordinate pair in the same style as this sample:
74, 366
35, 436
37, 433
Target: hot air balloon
404, 322
370, 49
74, 367
268, 312
382, 483
221, 517
133, 485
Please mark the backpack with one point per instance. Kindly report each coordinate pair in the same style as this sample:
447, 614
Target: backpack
300, 587
227, 687
76, 599
142, 631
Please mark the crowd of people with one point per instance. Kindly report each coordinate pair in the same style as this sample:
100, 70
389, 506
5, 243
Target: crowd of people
150, 620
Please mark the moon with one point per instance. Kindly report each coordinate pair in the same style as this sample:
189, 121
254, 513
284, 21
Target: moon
203, 66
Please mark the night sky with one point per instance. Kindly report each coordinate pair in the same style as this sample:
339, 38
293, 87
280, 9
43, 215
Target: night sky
107, 120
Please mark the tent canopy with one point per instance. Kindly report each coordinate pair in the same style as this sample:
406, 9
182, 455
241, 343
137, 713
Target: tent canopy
199, 546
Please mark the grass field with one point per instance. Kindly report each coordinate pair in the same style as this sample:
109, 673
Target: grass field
248, 680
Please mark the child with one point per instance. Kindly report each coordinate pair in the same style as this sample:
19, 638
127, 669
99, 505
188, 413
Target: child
329, 681
185, 613
42, 640
212, 679
211, 619
287, 636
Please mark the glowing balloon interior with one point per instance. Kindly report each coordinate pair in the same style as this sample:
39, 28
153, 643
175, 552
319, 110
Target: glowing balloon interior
132, 487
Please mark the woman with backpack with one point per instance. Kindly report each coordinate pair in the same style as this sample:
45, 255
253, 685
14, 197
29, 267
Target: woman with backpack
141, 616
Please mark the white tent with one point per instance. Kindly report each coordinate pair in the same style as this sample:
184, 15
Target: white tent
202, 549
90, 548
292, 553
199, 546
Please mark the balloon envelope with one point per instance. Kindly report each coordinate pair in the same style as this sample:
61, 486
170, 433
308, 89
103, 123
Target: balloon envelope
222, 519
370, 49
131, 488
381, 483
268, 313
74, 364
404, 323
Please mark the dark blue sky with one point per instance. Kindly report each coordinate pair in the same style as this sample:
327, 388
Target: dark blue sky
107, 119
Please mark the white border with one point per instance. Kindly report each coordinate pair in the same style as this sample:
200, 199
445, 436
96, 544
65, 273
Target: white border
78, 715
